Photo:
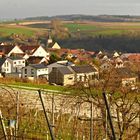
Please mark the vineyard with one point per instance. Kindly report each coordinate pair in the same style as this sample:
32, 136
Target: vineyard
78, 116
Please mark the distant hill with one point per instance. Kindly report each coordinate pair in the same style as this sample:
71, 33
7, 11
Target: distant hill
99, 18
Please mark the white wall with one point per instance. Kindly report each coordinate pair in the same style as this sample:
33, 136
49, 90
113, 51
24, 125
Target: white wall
40, 52
17, 50
17, 65
42, 71
6, 67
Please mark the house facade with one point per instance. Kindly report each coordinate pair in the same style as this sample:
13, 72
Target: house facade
56, 46
36, 51
35, 71
63, 63
12, 65
8, 50
41, 52
85, 73
71, 75
61, 76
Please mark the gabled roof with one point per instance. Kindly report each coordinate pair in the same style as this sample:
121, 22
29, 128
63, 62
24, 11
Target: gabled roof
64, 70
29, 49
134, 57
2, 60
6, 48
83, 69
35, 59
38, 66
116, 54
65, 63
56, 46
16, 58
125, 72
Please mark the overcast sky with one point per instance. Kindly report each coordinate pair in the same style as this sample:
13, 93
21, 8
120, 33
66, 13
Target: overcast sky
28, 8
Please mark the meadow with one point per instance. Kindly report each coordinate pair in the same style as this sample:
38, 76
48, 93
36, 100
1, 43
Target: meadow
7, 30
103, 28
108, 36
86, 27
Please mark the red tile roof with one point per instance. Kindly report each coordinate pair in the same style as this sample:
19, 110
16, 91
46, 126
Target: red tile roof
6, 48
134, 57
29, 48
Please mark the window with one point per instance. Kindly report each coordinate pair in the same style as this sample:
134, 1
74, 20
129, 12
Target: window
80, 77
32, 71
93, 76
23, 61
16, 69
25, 71
70, 78
85, 78
19, 62
14, 62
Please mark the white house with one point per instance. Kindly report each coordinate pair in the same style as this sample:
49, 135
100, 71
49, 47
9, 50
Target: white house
11, 65
10, 50
40, 51
35, 71
5, 66
37, 51
85, 73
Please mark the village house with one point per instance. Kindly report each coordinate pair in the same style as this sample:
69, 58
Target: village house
37, 60
71, 75
11, 66
105, 66
35, 71
84, 73
124, 76
61, 76
62, 63
36, 51
56, 46
9, 50
134, 58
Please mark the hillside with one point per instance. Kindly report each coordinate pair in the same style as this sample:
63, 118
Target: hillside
89, 35
99, 18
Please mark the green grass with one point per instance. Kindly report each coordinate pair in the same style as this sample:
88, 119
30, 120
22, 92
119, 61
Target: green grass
8, 30
73, 27
35, 86
110, 32
92, 29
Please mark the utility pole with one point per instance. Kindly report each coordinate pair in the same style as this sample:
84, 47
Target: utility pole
53, 112
3, 126
17, 114
91, 120
109, 117
139, 125
46, 116
106, 125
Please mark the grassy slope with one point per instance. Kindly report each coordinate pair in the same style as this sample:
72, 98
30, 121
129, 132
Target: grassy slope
6, 30
96, 28
88, 28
